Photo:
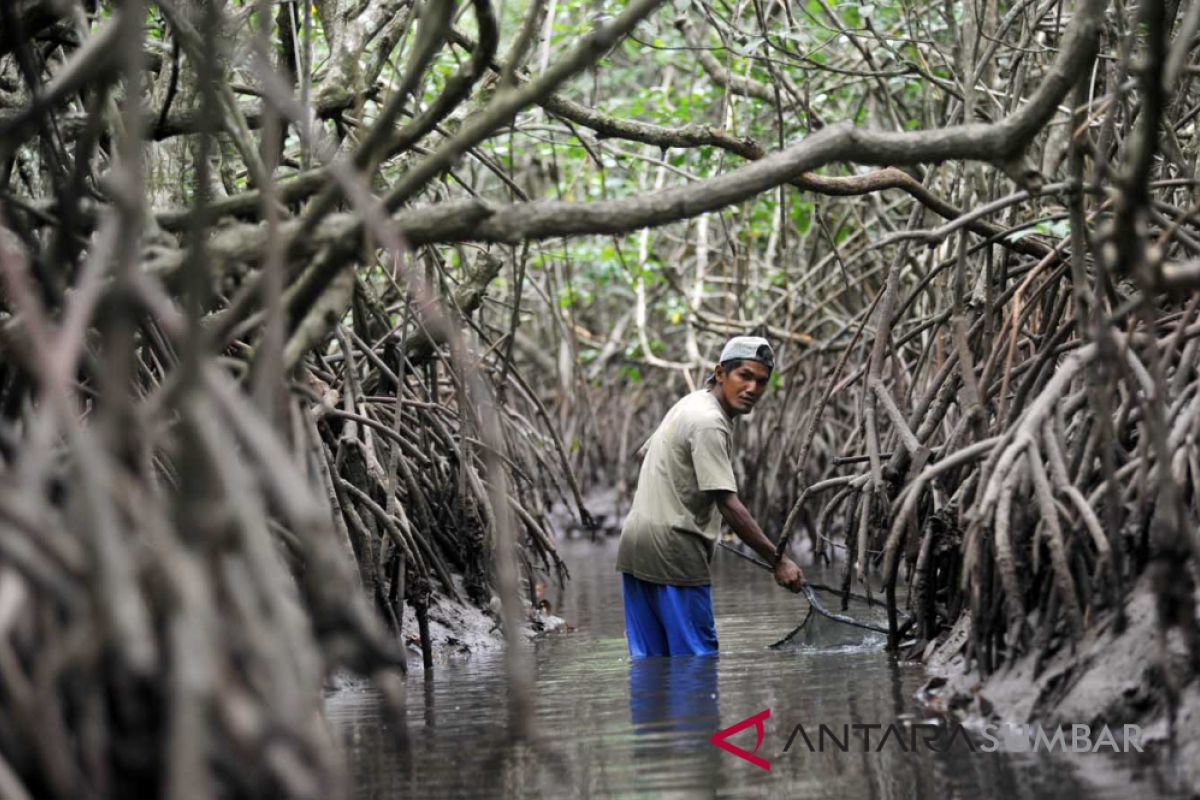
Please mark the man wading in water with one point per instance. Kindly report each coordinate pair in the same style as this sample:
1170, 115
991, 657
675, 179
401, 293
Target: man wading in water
671, 532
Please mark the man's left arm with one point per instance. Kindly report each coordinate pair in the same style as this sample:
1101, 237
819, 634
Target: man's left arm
738, 517
714, 476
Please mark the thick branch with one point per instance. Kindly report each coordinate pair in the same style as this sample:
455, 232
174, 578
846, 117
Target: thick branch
94, 61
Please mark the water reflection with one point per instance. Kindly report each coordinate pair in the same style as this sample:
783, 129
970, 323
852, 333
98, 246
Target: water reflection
610, 727
674, 701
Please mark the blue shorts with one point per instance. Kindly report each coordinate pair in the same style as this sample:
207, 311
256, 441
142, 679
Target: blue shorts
662, 620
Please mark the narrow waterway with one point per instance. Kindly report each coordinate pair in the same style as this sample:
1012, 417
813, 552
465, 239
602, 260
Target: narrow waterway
606, 727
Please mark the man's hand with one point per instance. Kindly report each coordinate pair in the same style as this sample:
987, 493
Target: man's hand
789, 575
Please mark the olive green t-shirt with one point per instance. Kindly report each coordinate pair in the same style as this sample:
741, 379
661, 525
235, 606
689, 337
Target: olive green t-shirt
671, 531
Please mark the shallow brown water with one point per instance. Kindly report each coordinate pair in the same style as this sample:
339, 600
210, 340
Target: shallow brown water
606, 727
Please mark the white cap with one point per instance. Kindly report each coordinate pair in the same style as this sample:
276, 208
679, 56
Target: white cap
748, 348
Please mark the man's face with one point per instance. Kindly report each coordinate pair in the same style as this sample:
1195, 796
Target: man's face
740, 388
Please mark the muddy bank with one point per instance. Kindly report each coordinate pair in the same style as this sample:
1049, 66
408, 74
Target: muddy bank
1109, 679
457, 629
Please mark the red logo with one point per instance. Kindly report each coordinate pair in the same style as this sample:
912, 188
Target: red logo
720, 736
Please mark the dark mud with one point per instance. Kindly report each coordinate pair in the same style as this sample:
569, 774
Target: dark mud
1107, 679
